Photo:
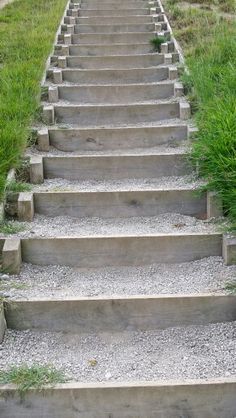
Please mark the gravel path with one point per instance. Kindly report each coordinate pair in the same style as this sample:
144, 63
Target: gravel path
174, 353
161, 183
208, 275
174, 147
43, 226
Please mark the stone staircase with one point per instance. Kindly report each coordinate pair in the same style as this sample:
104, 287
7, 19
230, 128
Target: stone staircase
114, 228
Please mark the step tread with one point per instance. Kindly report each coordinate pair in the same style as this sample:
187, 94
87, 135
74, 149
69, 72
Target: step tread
163, 224
208, 275
161, 183
192, 352
176, 149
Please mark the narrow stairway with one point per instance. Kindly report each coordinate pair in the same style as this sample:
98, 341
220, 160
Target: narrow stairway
123, 276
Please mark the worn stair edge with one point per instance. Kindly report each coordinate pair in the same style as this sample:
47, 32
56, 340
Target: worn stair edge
110, 38
113, 94
120, 203
112, 12
80, 139
110, 20
109, 49
113, 28
116, 167
117, 115
100, 251
209, 398
94, 315
116, 61
113, 77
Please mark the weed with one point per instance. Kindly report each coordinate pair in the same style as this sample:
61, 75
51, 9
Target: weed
6, 285
227, 6
11, 227
157, 41
31, 377
231, 286
17, 187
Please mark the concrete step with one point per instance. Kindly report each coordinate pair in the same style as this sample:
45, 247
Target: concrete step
116, 6
115, 28
120, 204
144, 399
113, 76
116, 61
121, 250
119, 94
115, 167
112, 38
115, 315
112, 12
113, 20
117, 115
116, 138
111, 5
110, 49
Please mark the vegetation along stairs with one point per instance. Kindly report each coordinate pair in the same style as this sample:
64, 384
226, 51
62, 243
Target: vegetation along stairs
122, 267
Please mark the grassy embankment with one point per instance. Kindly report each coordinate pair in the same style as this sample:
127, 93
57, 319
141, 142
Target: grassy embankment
27, 31
208, 39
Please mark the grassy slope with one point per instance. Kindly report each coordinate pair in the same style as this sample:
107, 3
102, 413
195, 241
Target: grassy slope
211, 58
27, 31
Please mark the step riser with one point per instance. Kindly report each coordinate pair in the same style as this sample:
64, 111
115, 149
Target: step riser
116, 62
97, 38
106, 50
113, 139
113, 20
115, 94
112, 12
119, 204
115, 168
114, 28
117, 115
116, 76
120, 251
119, 315
149, 400
115, 6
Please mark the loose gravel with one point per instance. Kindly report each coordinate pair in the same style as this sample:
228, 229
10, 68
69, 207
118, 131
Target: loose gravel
175, 353
162, 183
43, 226
164, 149
208, 275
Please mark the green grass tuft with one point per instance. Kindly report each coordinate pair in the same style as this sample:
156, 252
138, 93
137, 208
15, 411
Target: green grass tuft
231, 286
11, 227
31, 377
157, 41
17, 187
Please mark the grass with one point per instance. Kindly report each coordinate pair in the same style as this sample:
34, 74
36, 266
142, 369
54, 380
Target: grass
157, 41
33, 377
231, 286
27, 31
6, 285
10, 227
17, 187
211, 60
